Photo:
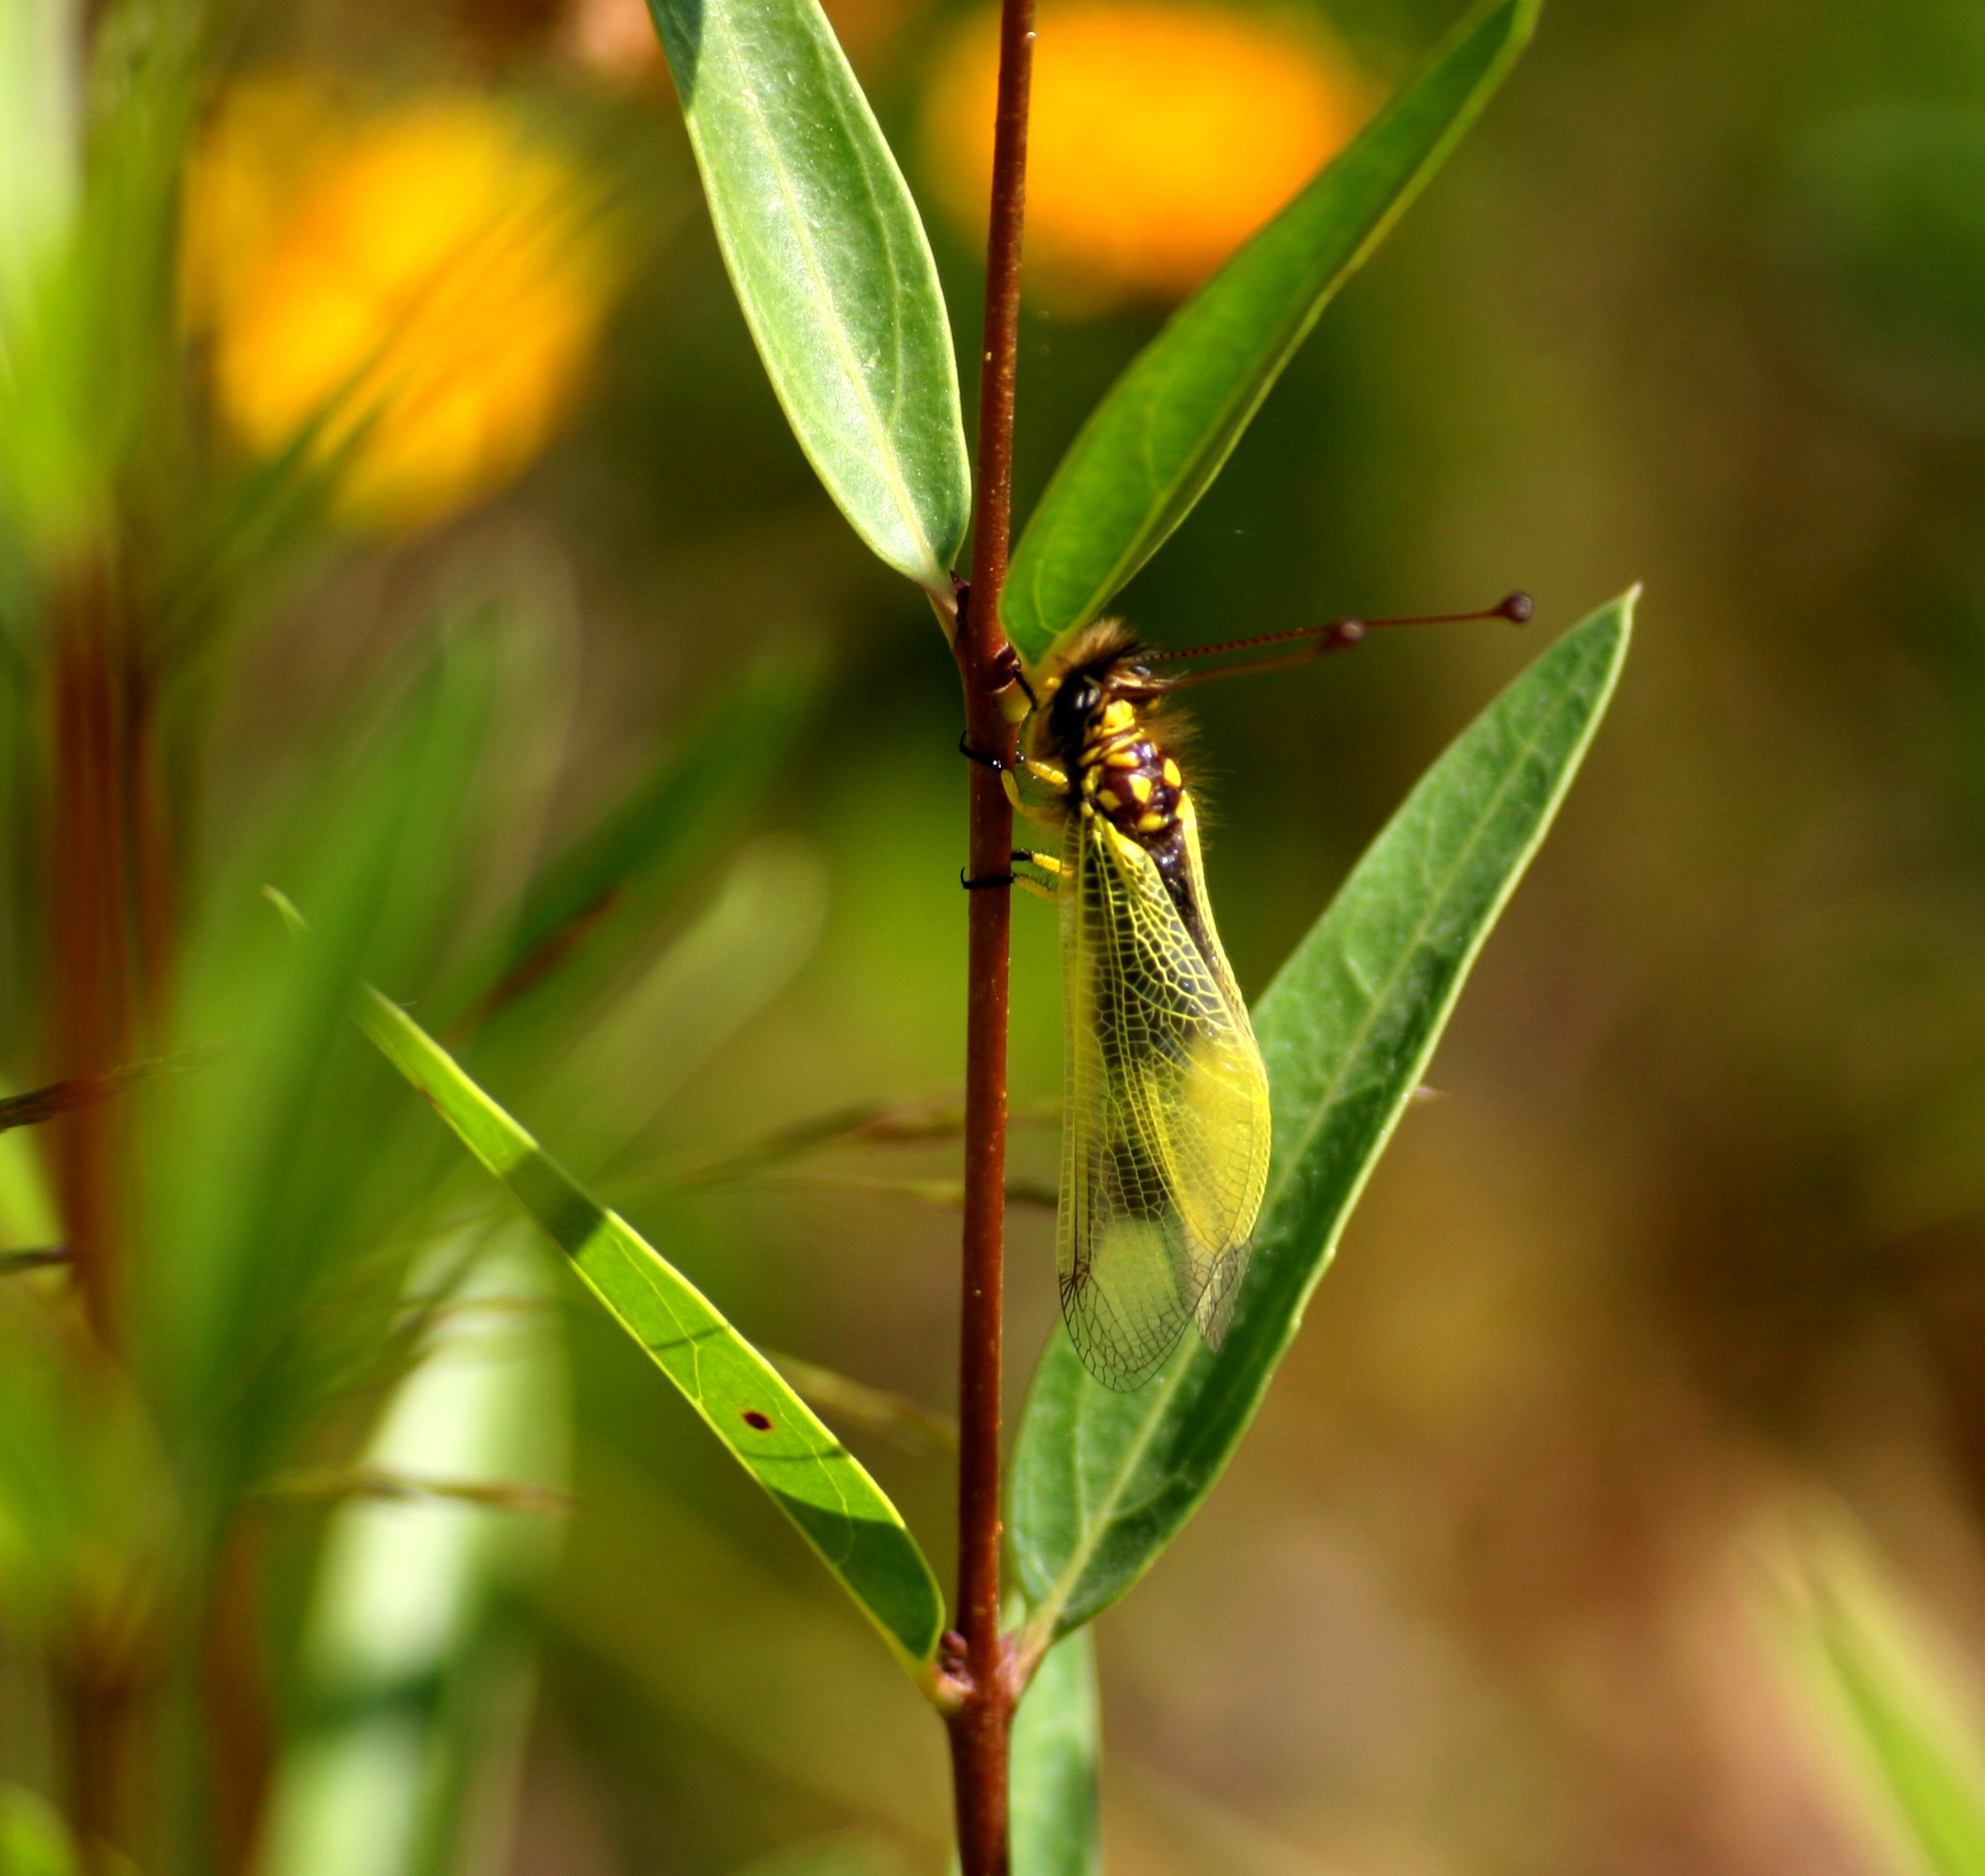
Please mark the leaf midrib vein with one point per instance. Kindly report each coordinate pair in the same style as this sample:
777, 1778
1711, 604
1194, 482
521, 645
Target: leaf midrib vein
885, 462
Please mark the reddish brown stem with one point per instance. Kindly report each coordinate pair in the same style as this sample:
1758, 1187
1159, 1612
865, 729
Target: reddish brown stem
91, 1016
154, 889
100, 1692
90, 938
982, 1724
236, 1691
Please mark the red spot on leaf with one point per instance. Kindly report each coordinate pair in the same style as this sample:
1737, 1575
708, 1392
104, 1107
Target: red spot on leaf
761, 1421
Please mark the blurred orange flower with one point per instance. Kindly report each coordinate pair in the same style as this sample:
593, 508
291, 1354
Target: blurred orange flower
422, 285
615, 39
1163, 135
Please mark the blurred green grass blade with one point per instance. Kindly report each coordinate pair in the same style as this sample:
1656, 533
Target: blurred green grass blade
831, 267
415, 1678
1930, 1779
1103, 1481
34, 1840
839, 1509
28, 1216
39, 142
1057, 1756
1166, 427
715, 975
89, 341
88, 1515
269, 1274
1884, 1688
615, 879
842, 1396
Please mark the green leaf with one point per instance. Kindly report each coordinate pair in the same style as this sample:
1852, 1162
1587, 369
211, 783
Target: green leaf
1155, 443
87, 333
772, 1433
1057, 1753
1103, 1481
831, 267
1883, 1686
39, 146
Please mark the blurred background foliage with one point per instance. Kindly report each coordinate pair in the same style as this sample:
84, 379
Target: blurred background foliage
494, 616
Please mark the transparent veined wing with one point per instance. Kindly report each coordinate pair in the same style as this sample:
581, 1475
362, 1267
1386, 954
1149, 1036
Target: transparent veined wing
1166, 1120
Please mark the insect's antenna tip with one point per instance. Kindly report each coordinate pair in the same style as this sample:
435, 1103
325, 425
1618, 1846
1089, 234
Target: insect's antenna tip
1336, 637
1518, 608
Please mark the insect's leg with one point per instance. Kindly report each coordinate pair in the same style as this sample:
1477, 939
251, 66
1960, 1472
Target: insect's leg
1041, 772
980, 756
1044, 818
1046, 863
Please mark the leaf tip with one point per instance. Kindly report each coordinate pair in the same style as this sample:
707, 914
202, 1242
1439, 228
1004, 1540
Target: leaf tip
1622, 610
293, 921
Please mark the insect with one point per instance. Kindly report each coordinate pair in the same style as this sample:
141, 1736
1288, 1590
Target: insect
1166, 1115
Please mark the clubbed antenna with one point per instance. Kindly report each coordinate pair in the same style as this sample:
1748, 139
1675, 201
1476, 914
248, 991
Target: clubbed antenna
1337, 636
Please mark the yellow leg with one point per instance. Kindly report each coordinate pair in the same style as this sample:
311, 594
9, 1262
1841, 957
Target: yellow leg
1048, 864
1041, 816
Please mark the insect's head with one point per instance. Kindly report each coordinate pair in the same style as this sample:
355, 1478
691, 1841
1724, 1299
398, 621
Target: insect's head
1105, 665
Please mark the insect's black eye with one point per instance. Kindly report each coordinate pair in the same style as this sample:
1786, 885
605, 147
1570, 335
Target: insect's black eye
1086, 697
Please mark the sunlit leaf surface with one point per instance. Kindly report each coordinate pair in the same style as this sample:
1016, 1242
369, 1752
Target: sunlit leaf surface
831, 267
1103, 1481
1153, 446
814, 1480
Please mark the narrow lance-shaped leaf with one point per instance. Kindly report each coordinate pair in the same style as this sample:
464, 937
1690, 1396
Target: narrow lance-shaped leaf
1057, 1754
1155, 443
774, 1434
831, 267
1103, 1481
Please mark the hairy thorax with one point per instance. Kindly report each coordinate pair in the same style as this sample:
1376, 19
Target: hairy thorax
1122, 775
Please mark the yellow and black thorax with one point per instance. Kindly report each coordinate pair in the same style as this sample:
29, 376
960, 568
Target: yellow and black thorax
1097, 729
1099, 726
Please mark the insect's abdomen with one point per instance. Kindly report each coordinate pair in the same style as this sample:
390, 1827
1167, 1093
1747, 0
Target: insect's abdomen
1129, 781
